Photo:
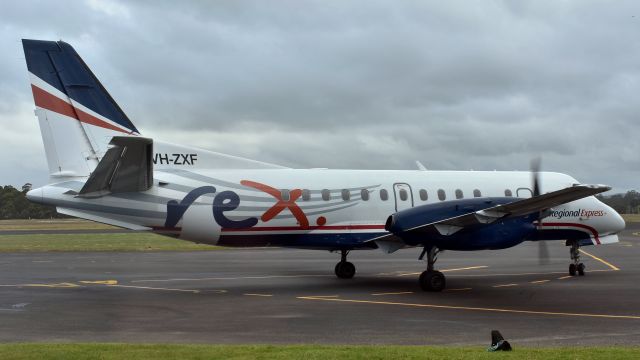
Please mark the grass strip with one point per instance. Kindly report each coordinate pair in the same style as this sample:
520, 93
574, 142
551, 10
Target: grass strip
97, 242
631, 217
307, 352
53, 224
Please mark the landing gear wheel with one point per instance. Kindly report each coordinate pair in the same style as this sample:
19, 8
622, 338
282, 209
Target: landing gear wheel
576, 267
572, 269
345, 270
432, 281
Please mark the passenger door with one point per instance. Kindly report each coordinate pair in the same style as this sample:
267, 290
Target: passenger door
403, 196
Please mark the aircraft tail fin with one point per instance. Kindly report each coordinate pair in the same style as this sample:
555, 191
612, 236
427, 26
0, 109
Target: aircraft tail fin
77, 116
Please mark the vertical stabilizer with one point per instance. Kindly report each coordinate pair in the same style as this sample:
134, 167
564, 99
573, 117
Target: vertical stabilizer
77, 116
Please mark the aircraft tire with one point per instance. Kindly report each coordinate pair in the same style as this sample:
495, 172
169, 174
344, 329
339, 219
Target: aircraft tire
433, 281
580, 269
345, 270
572, 269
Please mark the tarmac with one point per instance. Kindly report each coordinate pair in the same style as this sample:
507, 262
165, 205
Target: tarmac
285, 296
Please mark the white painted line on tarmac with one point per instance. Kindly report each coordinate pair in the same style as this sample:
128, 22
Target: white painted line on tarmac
393, 293
449, 270
504, 285
233, 278
155, 288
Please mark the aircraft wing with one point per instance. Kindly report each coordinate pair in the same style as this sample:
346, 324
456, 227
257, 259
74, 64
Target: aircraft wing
519, 207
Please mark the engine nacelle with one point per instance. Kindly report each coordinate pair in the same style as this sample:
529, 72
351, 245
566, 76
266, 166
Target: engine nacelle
409, 225
198, 225
405, 220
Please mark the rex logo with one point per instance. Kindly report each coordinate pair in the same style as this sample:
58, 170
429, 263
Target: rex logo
281, 204
228, 201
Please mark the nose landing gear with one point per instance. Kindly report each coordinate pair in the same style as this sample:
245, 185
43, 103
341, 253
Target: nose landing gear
344, 269
576, 267
431, 280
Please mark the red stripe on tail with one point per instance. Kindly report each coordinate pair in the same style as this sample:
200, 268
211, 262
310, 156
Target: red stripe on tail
48, 101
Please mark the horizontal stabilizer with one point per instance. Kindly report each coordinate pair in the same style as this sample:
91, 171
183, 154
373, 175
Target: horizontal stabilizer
126, 167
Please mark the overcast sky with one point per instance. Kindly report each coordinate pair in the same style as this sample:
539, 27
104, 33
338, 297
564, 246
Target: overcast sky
458, 85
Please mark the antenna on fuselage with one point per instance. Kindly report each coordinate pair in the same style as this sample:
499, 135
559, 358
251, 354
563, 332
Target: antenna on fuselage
420, 166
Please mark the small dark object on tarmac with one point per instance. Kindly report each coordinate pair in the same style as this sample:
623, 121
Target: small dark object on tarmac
498, 343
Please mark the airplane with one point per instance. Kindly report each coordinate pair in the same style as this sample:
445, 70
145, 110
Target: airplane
102, 169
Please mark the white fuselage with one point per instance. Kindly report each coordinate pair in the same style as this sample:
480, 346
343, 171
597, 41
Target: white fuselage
312, 207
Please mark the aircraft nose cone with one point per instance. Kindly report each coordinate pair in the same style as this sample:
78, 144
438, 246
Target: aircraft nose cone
617, 223
35, 195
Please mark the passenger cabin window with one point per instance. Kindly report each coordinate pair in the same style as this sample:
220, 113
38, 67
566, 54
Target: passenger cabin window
284, 194
477, 193
384, 195
326, 195
442, 195
403, 195
364, 194
306, 195
459, 194
346, 195
508, 193
423, 195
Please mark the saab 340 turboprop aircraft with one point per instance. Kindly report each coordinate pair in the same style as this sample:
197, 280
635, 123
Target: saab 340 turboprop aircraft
102, 169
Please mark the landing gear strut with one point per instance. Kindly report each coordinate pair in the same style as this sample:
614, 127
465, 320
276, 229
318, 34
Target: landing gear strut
345, 269
576, 266
431, 280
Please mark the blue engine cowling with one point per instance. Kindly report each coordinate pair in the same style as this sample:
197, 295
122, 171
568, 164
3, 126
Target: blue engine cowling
501, 234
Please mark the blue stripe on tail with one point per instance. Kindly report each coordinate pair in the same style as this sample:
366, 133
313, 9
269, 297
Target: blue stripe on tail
58, 64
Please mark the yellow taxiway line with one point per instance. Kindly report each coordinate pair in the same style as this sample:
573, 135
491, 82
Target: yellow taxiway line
538, 281
451, 307
100, 282
613, 267
57, 286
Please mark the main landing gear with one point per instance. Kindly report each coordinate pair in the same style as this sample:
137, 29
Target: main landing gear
345, 269
576, 266
431, 280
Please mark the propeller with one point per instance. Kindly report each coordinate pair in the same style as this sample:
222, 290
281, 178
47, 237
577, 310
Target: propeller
543, 250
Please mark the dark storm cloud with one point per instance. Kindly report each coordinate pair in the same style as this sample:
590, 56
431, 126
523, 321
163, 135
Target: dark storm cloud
366, 84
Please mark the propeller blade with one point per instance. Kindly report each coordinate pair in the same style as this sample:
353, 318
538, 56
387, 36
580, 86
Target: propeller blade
535, 176
543, 253
543, 250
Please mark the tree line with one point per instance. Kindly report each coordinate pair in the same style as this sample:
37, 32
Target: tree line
628, 203
14, 204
